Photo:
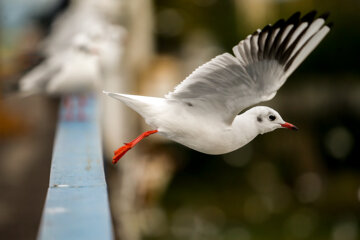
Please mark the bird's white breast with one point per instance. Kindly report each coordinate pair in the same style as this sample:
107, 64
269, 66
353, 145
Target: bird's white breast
203, 133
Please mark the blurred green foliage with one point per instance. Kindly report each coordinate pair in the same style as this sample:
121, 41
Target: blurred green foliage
282, 185
339, 52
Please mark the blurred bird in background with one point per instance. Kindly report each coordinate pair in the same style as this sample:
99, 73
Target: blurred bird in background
82, 49
72, 50
81, 16
73, 71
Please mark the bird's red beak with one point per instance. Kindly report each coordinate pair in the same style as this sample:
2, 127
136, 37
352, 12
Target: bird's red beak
289, 126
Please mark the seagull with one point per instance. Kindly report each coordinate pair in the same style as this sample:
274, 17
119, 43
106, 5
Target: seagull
74, 71
80, 16
202, 112
110, 43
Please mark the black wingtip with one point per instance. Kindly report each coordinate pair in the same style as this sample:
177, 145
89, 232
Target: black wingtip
266, 28
309, 17
293, 19
280, 23
325, 15
330, 24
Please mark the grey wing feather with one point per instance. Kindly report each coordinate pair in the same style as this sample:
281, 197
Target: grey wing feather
228, 84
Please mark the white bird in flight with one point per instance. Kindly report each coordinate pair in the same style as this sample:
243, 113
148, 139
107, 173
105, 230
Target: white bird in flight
203, 110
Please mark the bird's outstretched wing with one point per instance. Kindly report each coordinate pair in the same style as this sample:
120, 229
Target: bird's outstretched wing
228, 84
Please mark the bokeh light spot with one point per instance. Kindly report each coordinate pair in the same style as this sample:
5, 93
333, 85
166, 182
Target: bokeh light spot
345, 230
339, 142
302, 224
309, 187
169, 22
237, 233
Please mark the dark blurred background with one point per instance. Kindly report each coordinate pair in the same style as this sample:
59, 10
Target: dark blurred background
283, 185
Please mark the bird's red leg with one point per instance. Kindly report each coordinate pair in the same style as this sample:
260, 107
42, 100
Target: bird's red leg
127, 146
82, 104
69, 115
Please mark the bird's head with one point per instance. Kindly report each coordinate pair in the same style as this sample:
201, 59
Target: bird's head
84, 44
267, 119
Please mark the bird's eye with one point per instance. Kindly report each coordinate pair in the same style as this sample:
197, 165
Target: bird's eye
272, 117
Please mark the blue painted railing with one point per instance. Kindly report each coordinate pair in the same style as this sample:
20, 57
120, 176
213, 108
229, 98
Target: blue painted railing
77, 205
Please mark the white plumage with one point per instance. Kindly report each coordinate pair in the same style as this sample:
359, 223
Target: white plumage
85, 16
202, 111
73, 71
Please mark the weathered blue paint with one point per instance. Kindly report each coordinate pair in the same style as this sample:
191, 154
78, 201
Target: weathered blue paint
77, 203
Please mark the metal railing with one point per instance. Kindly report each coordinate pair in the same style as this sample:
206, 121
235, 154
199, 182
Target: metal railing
77, 205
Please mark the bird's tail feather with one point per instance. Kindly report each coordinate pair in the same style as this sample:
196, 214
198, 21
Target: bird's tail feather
20, 95
145, 106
